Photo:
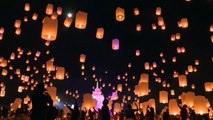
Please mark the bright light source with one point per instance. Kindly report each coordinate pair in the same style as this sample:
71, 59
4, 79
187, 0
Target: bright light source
69, 15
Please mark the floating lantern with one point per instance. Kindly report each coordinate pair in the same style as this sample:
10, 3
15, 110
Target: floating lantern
136, 11
177, 36
27, 7
54, 15
173, 107
208, 86
35, 16
49, 9
173, 37
100, 33
82, 58
17, 24
119, 14
49, 66
184, 22
160, 21
81, 20
18, 31
163, 97
49, 29
211, 28
119, 87
190, 68
154, 27
172, 92
59, 10
200, 106
146, 66
68, 22
115, 44
4, 72
182, 80
138, 27
158, 11
52, 91
60, 73
137, 52
25, 19
144, 78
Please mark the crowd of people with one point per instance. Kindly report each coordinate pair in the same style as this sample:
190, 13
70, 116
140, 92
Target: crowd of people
43, 109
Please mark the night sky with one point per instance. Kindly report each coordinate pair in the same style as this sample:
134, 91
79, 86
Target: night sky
71, 42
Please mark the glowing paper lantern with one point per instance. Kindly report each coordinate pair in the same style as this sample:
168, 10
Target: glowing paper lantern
114, 96
115, 44
136, 11
163, 97
137, 52
152, 103
60, 73
211, 28
154, 27
190, 68
208, 86
81, 20
184, 22
49, 9
4, 72
117, 108
119, 87
182, 80
173, 107
177, 36
160, 21
82, 58
144, 78
59, 10
68, 22
119, 14
200, 106
54, 15
49, 29
158, 11
188, 98
50, 66
138, 27
18, 31
27, 7
88, 101
146, 66
100, 33
172, 92
35, 16
17, 24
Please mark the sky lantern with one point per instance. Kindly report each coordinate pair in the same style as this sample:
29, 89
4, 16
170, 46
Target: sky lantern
163, 97
152, 103
144, 78
54, 15
17, 24
68, 22
50, 66
182, 80
49, 9
88, 101
160, 21
120, 14
117, 108
35, 16
25, 19
49, 29
173, 107
208, 86
137, 53
81, 20
190, 68
4, 72
82, 58
115, 44
119, 87
154, 27
60, 73
136, 11
172, 92
27, 7
174, 59
184, 23
138, 27
18, 31
177, 36
59, 10
158, 11
197, 62
173, 37
200, 106
2, 30
211, 28
188, 98
100, 33
146, 66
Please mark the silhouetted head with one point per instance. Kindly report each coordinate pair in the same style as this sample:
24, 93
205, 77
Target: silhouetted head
129, 106
40, 87
105, 102
185, 106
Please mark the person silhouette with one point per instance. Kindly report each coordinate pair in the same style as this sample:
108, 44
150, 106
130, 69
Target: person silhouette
105, 115
183, 112
40, 102
75, 113
166, 114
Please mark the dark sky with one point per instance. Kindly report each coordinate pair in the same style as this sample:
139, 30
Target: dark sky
72, 42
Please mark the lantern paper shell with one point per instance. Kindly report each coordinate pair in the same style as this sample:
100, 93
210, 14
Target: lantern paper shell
81, 20
17, 24
163, 97
119, 14
208, 86
184, 22
50, 66
119, 87
68, 22
59, 10
136, 11
100, 33
27, 7
82, 58
117, 108
52, 91
173, 107
60, 73
182, 80
49, 29
144, 78
200, 106
188, 98
158, 11
115, 44
49, 9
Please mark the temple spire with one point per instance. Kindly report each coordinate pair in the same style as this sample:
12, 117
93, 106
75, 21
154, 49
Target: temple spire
97, 84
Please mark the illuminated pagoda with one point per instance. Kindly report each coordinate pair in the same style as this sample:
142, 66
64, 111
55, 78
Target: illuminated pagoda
97, 95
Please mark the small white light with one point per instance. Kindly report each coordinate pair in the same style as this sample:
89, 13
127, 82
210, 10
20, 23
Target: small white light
69, 15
